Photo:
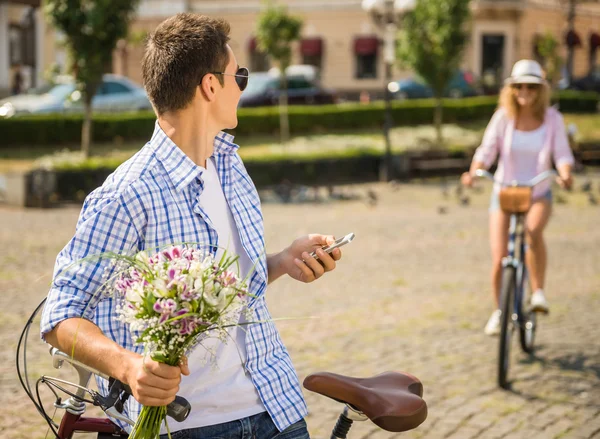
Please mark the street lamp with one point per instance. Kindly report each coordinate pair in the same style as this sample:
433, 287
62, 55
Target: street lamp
386, 14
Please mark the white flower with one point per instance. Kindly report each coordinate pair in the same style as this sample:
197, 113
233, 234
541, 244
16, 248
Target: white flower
160, 288
143, 258
135, 293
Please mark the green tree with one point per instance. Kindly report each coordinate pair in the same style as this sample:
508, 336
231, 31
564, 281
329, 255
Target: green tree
548, 48
92, 29
276, 32
432, 41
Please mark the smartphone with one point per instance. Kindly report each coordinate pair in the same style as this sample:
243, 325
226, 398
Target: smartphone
337, 244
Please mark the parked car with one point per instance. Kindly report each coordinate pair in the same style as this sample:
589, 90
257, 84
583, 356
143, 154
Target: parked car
589, 82
264, 88
115, 93
461, 85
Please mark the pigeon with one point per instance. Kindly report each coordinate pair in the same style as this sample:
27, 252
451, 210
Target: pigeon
442, 210
587, 186
593, 201
459, 190
465, 200
372, 198
284, 190
560, 199
445, 192
394, 185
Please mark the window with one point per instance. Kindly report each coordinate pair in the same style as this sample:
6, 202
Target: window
259, 62
366, 66
111, 88
365, 50
312, 60
296, 83
311, 50
15, 42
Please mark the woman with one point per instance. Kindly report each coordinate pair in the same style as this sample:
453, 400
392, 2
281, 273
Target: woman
527, 135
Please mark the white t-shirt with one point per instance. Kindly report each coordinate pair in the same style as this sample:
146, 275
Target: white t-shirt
225, 393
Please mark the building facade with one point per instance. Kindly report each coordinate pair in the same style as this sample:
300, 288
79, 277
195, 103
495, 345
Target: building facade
22, 45
338, 36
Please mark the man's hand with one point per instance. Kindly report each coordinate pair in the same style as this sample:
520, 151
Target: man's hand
152, 383
296, 262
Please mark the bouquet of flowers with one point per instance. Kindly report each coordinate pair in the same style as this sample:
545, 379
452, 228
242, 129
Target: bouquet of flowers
171, 300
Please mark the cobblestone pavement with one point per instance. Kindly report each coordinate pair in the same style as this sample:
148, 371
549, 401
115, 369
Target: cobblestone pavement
410, 294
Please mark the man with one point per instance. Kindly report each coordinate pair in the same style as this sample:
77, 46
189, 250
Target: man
17, 83
187, 184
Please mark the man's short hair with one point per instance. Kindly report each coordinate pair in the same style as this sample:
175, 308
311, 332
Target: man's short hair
181, 50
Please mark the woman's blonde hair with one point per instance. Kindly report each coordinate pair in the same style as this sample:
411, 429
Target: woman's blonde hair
509, 103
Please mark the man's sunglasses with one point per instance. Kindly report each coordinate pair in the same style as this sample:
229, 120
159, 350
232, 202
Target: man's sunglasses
241, 77
527, 86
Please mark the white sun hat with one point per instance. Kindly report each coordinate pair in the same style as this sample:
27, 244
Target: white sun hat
526, 71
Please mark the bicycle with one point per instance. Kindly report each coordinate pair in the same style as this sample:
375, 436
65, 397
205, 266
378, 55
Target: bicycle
515, 199
392, 400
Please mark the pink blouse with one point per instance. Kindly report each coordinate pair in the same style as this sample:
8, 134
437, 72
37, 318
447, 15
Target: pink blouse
497, 141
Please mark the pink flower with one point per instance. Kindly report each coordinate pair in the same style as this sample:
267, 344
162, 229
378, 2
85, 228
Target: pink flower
228, 278
165, 307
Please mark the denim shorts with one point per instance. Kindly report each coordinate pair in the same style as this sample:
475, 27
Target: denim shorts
259, 426
495, 200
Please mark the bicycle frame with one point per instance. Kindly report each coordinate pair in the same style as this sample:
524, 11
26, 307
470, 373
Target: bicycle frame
72, 423
516, 259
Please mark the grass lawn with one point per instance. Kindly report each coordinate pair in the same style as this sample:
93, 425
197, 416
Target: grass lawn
457, 136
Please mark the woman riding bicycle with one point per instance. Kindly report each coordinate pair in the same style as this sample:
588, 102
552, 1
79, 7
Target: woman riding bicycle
527, 135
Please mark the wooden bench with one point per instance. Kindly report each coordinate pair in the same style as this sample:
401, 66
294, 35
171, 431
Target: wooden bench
440, 164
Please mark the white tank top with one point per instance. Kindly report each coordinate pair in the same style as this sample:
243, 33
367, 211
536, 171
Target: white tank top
526, 148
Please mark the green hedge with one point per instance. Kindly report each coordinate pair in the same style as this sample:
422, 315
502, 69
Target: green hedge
571, 101
66, 129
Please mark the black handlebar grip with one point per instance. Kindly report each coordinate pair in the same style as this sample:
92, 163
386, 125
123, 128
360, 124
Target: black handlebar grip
179, 409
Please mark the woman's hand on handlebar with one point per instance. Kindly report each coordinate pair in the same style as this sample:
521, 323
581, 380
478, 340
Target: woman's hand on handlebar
565, 182
467, 179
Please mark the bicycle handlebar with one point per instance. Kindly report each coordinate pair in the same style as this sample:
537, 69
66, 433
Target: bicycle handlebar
111, 404
531, 183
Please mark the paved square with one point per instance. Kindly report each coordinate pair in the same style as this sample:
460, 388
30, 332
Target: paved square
411, 294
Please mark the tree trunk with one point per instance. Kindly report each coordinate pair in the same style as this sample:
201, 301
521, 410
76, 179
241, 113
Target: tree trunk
437, 121
284, 120
86, 128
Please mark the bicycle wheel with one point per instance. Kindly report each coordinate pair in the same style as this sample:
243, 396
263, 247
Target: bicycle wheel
506, 330
527, 320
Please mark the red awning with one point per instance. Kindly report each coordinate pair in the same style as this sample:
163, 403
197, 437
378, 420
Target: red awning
252, 45
366, 45
572, 39
594, 40
311, 46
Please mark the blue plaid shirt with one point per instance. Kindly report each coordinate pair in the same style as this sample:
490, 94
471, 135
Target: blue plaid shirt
152, 200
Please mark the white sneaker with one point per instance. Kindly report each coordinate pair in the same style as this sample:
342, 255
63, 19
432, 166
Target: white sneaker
539, 302
493, 324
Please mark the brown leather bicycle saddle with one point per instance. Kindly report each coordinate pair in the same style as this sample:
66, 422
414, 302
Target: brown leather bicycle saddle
392, 400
